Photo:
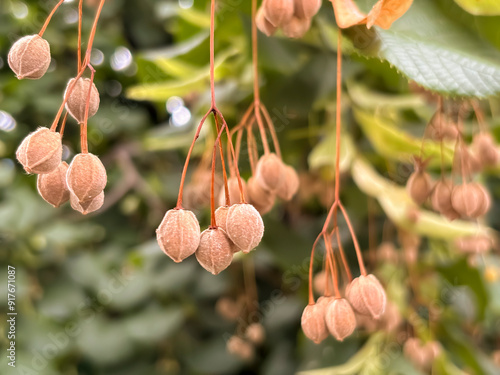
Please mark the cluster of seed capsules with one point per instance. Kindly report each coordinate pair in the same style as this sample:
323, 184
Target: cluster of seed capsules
292, 16
82, 182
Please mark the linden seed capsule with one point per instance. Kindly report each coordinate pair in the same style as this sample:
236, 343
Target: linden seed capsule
474, 244
419, 186
86, 177
40, 152
263, 200
278, 12
289, 185
234, 191
228, 308
485, 149
296, 27
367, 296
313, 322
178, 234
52, 186
441, 199
221, 217
414, 350
240, 348
340, 319
255, 333
270, 172
307, 8
77, 100
29, 57
88, 206
470, 161
319, 283
245, 226
263, 23
215, 252
469, 200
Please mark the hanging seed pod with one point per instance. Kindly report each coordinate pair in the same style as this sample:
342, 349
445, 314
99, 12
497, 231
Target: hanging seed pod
319, 283
52, 186
470, 161
77, 101
307, 8
255, 333
29, 57
244, 226
470, 200
240, 348
86, 177
263, 23
179, 234
234, 191
270, 172
367, 296
415, 351
289, 185
419, 186
228, 308
485, 207
387, 253
278, 12
313, 322
340, 319
441, 199
221, 217
260, 198
296, 27
40, 152
485, 149
87, 206
474, 244
215, 252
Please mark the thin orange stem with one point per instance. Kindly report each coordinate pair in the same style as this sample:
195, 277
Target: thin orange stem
311, 264
333, 265
47, 21
63, 124
354, 240
84, 143
80, 20
342, 255
338, 116
272, 130
224, 173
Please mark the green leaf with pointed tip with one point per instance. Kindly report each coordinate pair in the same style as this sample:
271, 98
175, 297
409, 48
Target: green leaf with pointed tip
434, 51
480, 7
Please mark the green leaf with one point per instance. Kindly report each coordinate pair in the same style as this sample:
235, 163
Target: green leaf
324, 154
434, 51
480, 7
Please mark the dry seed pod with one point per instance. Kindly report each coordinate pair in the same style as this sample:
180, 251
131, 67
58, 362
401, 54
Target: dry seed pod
419, 186
313, 322
441, 199
263, 23
179, 234
86, 177
234, 191
255, 333
221, 217
278, 12
340, 319
469, 200
289, 185
215, 252
319, 283
52, 186
40, 152
387, 253
241, 348
77, 101
485, 149
307, 8
367, 296
474, 244
260, 198
270, 172
228, 308
471, 162
87, 206
296, 27
415, 351
29, 57
244, 226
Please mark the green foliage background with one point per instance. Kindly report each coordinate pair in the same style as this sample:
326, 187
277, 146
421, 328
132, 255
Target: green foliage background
95, 295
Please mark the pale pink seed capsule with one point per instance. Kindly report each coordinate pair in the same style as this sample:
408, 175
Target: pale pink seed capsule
244, 226
468, 200
86, 177
313, 323
263, 200
485, 149
77, 101
414, 350
221, 217
179, 234
296, 27
234, 191
263, 23
215, 252
441, 199
40, 152
255, 333
88, 206
367, 296
290, 184
278, 12
419, 186
52, 186
340, 319
270, 172
240, 348
29, 57
307, 8
474, 244
485, 207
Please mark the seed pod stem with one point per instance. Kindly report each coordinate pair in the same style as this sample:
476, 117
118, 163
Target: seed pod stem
47, 21
83, 132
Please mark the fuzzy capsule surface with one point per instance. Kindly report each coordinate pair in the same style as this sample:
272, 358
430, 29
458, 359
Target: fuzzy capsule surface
88, 206
340, 318
86, 177
313, 322
40, 152
367, 296
244, 226
52, 186
270, 172
76, 103
278, 12
29, 57
215, 252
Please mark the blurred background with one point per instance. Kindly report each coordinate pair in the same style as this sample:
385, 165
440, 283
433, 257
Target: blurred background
95, 294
